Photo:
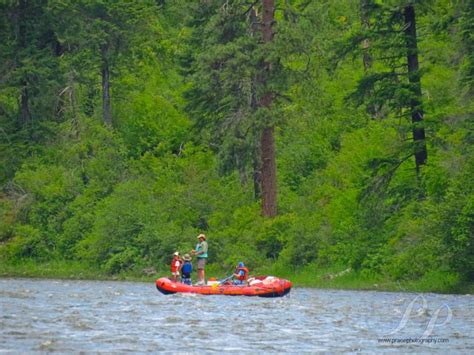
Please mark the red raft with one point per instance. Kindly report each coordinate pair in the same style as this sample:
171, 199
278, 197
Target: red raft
262, 286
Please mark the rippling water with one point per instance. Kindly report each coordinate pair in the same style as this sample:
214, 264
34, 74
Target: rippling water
93, 316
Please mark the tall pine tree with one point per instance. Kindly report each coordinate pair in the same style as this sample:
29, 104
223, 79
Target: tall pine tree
232, 95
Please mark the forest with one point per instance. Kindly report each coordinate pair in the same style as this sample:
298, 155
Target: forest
317, 140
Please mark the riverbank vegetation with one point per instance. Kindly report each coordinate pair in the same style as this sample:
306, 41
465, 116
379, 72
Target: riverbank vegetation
305, 138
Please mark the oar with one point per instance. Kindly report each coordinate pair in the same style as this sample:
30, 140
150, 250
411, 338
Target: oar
226, 279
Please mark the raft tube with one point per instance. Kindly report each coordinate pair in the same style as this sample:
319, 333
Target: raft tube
262, 286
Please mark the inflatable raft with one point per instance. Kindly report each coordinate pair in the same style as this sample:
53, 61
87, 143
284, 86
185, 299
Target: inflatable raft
263, 286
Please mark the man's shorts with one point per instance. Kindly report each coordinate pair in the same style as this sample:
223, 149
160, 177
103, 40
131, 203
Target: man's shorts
201, 263
176, 273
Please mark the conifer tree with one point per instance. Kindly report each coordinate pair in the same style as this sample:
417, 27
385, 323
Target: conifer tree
267, 143
395, 87
416, 109
29, 60
232, 93
97, 35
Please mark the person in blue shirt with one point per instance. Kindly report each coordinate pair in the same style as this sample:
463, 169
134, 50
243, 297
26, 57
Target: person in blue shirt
186, 270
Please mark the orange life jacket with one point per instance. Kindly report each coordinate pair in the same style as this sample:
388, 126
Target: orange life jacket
245, 276
176, 264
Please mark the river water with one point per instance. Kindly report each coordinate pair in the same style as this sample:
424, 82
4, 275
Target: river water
96, 316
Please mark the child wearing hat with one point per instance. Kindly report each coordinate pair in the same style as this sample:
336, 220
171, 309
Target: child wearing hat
186, 270
176, 265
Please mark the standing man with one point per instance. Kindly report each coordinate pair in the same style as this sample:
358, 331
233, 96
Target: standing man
201, 255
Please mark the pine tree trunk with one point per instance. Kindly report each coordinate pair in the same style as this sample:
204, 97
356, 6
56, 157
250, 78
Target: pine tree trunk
106, 110
267, 141
73, 104
268, 176
25, 115
241, 167
367, 59
364, 18
421, 154
60, 102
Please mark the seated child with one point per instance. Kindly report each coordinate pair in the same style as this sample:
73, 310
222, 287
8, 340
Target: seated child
241, 274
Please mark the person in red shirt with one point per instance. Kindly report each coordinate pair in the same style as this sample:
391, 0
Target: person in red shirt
176, 265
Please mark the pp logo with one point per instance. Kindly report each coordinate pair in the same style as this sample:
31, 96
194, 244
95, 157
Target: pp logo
411, 312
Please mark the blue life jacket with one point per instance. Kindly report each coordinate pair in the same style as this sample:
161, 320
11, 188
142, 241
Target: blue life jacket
187, 268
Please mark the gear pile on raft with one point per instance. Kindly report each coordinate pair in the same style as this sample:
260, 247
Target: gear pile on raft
237, 284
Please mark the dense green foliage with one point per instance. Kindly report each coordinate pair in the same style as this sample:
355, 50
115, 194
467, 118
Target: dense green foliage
180, 157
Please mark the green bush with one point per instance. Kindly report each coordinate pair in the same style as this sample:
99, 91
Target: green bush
29, 242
